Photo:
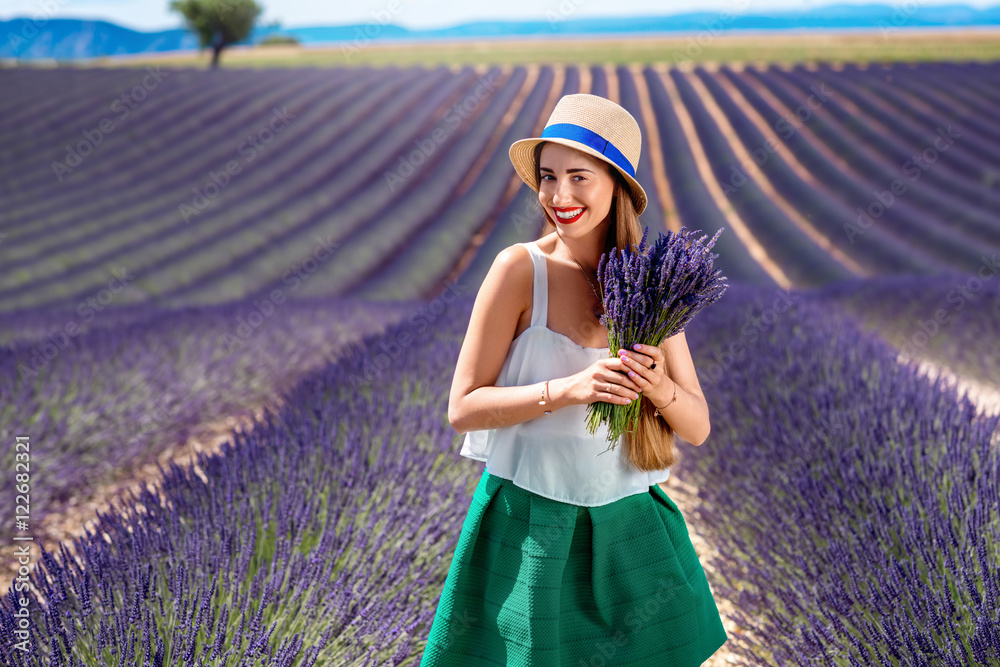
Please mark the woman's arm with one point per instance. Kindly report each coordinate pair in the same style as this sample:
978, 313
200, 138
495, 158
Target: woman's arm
688, 415
475, 403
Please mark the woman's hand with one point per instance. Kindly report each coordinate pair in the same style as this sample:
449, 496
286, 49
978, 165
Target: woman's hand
646, 366
604, 380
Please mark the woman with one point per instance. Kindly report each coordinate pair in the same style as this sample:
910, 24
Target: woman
571, 554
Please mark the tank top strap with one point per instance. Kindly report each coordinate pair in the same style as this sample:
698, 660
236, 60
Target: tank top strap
540, 293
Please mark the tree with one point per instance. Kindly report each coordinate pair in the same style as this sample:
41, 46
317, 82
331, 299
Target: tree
273, 35
218, 23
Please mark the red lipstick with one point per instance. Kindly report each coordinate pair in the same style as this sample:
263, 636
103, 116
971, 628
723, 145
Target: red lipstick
568, 221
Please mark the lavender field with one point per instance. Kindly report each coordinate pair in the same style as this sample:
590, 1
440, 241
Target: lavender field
306, 244
854, 499
220, 185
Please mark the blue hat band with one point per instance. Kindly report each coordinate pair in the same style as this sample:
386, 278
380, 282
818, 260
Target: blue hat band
592, 139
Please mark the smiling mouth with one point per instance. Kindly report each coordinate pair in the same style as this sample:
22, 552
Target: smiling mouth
569, 215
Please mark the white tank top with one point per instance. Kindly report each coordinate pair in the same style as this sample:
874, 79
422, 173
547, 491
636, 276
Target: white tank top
554, 455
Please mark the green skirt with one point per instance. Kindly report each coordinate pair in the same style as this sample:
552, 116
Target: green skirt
539, 582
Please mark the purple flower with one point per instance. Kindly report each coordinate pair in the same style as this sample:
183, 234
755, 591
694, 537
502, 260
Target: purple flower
650, 294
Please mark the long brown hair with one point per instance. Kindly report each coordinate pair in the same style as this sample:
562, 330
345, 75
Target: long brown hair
652, 445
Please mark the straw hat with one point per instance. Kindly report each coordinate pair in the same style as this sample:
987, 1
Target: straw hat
592, 124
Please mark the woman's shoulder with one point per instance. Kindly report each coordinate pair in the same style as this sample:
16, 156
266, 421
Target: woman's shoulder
512, 268
514, 261
513, 257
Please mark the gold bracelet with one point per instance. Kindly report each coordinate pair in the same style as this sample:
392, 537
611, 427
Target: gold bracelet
543, 402
668, 404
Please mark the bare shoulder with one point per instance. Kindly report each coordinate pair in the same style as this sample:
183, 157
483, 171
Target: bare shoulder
504, 294
514, 258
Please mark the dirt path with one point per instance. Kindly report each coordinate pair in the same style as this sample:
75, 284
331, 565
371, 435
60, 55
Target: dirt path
685, 496
985, 396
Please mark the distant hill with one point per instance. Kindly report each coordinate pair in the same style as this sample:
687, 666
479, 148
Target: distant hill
68, 39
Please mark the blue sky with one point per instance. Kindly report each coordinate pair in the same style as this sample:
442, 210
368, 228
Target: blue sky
155, 15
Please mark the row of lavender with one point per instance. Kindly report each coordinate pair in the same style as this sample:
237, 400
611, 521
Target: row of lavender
323, 177
949, 319
929, 187
101, 403
855, 154
373, 162
854, 502
319, 538
886, 189
924, 112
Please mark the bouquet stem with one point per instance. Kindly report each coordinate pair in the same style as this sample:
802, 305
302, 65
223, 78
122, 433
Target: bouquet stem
619, 418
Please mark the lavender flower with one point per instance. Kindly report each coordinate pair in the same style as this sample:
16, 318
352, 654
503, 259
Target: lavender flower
650, 294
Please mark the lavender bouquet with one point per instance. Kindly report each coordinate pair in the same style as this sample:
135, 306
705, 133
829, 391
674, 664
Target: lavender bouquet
649, 295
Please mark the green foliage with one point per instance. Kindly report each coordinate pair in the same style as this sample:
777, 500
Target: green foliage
218, 23
278, 39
